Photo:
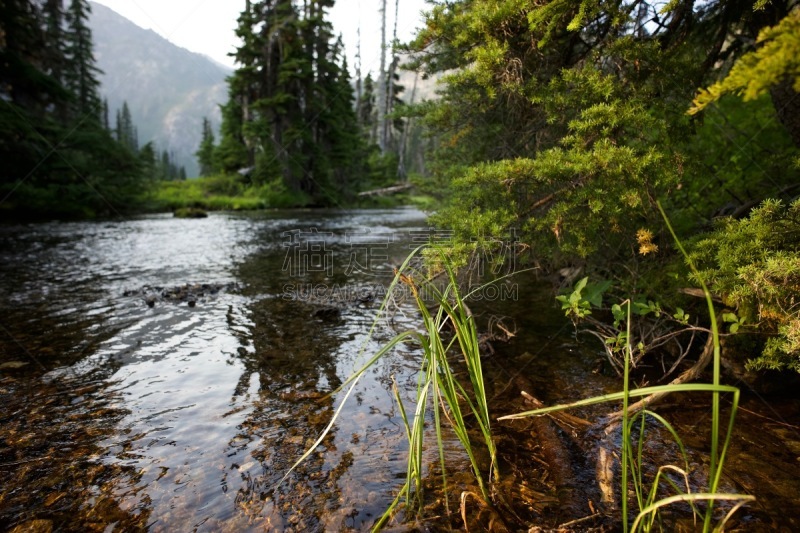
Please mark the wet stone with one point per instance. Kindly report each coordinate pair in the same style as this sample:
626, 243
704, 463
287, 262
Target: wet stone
189, 294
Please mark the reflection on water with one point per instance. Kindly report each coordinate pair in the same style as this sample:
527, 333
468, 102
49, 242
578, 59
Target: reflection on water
170, 417
163, 374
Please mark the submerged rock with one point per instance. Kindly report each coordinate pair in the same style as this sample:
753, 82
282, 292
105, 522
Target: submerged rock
13, 365
327, 313
34, 526
190, 212
189, 294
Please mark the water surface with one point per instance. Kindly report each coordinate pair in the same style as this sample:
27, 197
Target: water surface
177, 417
162, 374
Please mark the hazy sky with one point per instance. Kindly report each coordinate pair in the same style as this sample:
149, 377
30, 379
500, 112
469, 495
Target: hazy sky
207, 26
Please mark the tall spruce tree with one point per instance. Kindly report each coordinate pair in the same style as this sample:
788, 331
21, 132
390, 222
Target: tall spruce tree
205, 153
57, 157
80, 69
26, 83
25, 90
365, 110
53, 11
125, 130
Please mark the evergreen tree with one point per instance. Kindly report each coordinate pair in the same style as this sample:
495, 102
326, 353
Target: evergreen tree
125, 130
104, 115
55, 161
166, 166
367, 118
147, 157
338, 129
23, 52
135, 140
287, 106
231, 154
80, 69
205, 153
54, 42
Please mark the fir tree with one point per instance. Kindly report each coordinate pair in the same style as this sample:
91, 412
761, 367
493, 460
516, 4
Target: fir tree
54, 38
57, 157
285, 113
125, 130
104, 115
365, 109
205, 153
80, 70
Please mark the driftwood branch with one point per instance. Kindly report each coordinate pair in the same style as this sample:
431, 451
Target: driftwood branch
689, 375
394, 189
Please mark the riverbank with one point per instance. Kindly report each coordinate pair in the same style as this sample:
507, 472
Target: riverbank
234, 193
30, 203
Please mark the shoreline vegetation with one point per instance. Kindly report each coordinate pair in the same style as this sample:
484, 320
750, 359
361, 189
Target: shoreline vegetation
231, 193
211, 193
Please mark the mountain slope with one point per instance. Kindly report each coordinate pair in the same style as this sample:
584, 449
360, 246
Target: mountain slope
168, 89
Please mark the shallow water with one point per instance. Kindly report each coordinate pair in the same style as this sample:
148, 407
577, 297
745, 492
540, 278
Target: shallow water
121, 415
174, 417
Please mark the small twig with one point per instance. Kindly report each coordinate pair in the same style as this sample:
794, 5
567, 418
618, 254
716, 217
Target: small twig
561, 418
688, 375
579, 520
768, 418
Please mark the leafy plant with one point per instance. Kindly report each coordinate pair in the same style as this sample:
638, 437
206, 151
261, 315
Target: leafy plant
583, 297
734, 321
631, 461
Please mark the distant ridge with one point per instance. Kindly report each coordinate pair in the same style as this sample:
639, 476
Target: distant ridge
168, 89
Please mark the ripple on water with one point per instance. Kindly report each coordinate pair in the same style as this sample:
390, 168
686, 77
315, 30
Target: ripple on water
184, 417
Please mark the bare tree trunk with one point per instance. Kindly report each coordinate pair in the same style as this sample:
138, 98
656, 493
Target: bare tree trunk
388, 123
390, 83
251, 157
401, 159
359, 90
381, 99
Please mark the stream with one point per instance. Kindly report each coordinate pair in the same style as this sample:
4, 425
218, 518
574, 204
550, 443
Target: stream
163, 374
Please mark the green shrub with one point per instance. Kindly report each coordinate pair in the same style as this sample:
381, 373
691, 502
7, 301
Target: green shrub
754, 265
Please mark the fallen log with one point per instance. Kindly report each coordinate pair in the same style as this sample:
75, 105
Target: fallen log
687, 376
394, 189
570, 490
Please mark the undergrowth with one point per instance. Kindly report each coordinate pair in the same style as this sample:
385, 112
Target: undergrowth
450, 402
